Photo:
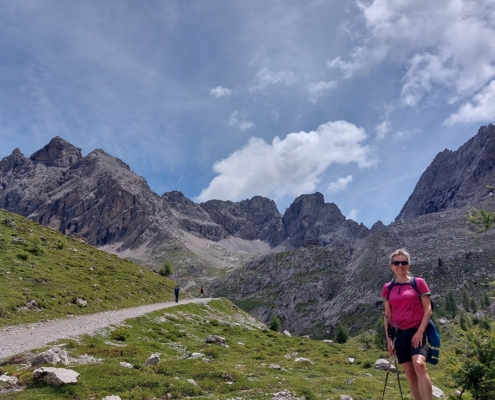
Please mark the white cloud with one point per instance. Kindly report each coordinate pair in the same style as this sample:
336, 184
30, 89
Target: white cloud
317, 90
240, 124
265, 77
340, 184
220, 91
480, 109
382, 129
444, 43
352, 215
290, 166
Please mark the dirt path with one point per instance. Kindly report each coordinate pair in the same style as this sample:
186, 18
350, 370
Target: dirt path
21, 338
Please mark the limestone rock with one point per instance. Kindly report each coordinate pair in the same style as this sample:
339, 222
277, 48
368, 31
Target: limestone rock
55, 376
385, 365
153, 359
219, 340
53, 356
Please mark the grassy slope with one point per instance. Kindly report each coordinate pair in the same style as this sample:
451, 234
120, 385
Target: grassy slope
53, 270
41, 264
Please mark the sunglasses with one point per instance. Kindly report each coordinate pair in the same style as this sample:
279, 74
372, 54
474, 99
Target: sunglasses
403, 263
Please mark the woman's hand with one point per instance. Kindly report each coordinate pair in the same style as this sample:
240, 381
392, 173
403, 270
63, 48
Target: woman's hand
417, 339
391, 352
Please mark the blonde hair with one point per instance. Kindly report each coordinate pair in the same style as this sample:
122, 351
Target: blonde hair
400, 252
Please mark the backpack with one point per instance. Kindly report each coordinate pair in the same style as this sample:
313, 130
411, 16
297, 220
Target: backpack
432, 335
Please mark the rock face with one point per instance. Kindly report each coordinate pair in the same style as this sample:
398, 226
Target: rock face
309, 217
455, 178
97, 197
253, 219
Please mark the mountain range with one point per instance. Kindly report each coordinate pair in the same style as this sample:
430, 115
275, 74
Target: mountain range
311, 267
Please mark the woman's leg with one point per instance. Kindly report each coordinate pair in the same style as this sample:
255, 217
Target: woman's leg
412, 379
423, 379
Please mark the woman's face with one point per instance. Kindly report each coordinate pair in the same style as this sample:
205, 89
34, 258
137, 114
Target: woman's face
400, 265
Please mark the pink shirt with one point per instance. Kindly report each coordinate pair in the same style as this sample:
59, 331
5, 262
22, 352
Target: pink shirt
405, 305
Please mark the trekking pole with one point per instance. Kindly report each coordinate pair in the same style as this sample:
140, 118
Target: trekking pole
396, 371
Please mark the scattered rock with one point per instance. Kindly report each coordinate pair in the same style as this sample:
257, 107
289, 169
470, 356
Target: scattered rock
154, 359
81, 302
327, 341
220, 340
192, 382
126, 364
345, 397
275, 366
437, 393
287, 333
55, 376
53, 356
112, 398
384, 365
443, 321
11, 380
302, 359
351, 360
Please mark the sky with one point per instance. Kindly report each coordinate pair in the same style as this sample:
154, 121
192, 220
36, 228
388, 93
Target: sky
228, 100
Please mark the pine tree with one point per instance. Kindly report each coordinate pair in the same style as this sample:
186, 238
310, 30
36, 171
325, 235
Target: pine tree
465, 299
342, 334
473, 306
450, 304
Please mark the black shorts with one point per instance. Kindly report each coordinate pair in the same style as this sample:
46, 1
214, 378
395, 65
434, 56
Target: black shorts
404, 348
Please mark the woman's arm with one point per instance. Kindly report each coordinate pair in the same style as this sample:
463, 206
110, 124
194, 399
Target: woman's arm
386, 322
417, 339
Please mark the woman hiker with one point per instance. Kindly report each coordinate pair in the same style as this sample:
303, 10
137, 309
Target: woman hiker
407, 315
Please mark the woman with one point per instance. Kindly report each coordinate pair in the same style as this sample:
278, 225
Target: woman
409, 315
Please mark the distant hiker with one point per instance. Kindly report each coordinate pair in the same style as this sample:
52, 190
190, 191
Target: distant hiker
201, 290
407, 313
177, 291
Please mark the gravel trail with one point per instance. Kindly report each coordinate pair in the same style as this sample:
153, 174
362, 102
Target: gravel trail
20, 338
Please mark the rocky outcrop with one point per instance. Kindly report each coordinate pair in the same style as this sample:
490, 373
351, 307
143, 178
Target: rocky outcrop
455, 179
257, 218
309, 217
193, 218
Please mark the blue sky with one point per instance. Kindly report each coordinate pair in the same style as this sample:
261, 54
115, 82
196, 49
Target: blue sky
225, 99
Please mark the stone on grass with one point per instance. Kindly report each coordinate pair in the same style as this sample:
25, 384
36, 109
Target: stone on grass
384, 365
112, 398
351, 360
287, 333
11, 380
302, 359
53, 356
275, 366
55, 376
154, 359
126, 364
192, 382
220, 340
437, 393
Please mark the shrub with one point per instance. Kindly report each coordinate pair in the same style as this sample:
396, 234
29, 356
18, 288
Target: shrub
275, 323
166, 270
342, 334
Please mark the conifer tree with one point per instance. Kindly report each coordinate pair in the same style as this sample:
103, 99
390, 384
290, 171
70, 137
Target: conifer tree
342, 334
450, 304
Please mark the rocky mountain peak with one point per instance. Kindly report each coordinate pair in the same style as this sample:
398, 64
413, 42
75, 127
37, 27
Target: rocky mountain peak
455, 179
57, 153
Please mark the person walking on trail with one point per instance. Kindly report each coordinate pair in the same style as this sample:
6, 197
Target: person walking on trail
406, 318
177, 291
201, 291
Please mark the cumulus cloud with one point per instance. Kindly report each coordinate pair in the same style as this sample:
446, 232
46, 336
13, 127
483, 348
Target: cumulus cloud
220, 91
340, 184
445, 43
239, 121
265, 77
317, 90
480, 109
290, 166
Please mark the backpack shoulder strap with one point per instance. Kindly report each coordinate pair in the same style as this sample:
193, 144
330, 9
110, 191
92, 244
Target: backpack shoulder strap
415, 285
390, 287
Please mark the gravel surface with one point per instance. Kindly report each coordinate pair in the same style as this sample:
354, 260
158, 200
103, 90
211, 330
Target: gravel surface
20, 338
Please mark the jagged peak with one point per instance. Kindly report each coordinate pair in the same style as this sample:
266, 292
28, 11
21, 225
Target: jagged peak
57, 153
100, 155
